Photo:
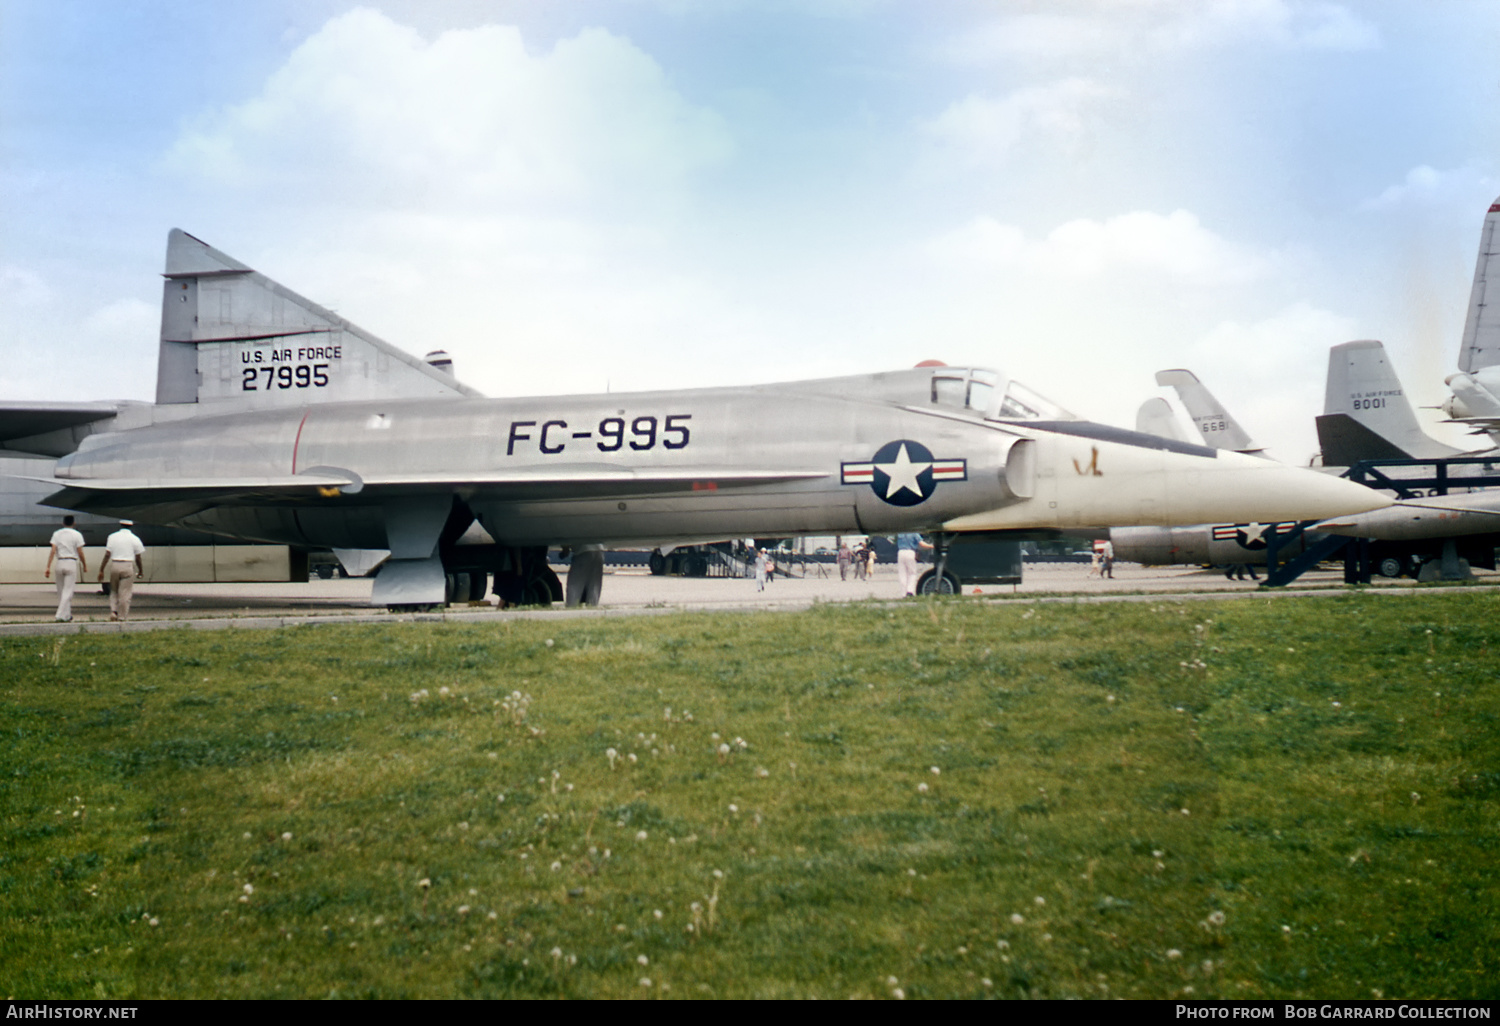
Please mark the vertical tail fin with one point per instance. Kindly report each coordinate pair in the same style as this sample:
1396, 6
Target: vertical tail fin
1155, 417
1366, 414
1218, 428
233, 338
1476, 387
1481, 342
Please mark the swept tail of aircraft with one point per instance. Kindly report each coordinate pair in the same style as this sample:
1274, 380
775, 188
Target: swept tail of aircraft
1366, 414
1218, 428
1476, 387
233, 339
1155, 417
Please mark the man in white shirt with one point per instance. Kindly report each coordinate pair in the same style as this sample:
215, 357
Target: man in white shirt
67, 551
122, 558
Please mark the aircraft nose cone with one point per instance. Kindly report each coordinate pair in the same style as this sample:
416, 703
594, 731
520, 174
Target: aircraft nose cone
1279, 492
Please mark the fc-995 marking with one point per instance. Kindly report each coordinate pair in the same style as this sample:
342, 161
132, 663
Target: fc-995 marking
302, 375
614, 433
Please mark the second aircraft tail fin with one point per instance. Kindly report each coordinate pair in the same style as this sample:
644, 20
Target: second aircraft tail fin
1218, 428
1366, 414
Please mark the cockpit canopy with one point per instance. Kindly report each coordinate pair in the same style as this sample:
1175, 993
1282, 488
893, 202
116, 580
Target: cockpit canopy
989, 394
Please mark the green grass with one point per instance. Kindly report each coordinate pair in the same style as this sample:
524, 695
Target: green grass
1295, 798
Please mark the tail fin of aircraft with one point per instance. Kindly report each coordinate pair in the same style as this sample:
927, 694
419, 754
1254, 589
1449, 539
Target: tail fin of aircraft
1155, 417
1217, 427
1366, 414
1476, 387
233, 338
1481, 342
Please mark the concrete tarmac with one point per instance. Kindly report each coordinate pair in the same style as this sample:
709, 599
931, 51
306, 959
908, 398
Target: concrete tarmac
29, 608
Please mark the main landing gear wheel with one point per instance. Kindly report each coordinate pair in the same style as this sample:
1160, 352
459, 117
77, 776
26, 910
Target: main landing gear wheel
1391, 566
658, 563
930, 583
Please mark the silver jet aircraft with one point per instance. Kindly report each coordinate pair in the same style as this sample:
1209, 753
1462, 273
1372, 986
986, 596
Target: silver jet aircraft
276, 422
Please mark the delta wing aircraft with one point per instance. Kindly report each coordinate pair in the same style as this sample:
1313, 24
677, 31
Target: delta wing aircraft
278, 421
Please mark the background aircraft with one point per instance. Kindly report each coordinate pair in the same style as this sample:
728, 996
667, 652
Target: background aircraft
278, 421
1367, 417
1476, 387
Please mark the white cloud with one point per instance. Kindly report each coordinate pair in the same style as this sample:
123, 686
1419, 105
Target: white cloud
985, 129
1090, 28
22, 288
367, 110
1314, 26
1270, 373
124, 322
1174, 247
1427, 186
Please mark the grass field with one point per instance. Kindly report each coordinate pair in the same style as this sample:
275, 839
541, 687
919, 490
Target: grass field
1290, 798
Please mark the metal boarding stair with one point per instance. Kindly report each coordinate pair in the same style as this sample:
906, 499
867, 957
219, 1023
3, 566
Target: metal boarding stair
1325, 548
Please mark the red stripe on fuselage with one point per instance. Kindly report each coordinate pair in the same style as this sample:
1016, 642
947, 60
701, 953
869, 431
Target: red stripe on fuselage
298, 440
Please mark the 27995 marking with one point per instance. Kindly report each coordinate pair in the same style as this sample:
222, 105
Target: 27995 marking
302, 375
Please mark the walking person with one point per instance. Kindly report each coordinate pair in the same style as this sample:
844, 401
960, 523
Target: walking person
122, 558
845, 557
760, 570
906, 560
67, 552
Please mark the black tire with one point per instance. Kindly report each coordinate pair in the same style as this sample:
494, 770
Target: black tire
657, 563
479, 585
932, 584
1391, 566
324, 572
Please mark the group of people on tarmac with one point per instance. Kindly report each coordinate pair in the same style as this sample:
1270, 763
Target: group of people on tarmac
122, 561
861, 558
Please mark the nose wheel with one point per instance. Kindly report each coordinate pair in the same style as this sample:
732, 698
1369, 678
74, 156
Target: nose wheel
935, 582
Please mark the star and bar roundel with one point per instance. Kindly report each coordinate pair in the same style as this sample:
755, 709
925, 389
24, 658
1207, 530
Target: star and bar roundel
904, 473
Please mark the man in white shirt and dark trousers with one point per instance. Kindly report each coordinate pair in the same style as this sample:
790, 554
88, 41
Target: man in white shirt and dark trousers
122, 558
67, 552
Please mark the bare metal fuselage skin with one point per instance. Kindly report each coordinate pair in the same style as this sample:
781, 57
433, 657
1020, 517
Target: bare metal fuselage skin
713, 463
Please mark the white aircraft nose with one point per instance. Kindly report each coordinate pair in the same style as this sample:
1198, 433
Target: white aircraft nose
1264, 491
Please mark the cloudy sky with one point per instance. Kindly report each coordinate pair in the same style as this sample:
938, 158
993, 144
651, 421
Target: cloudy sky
573, 196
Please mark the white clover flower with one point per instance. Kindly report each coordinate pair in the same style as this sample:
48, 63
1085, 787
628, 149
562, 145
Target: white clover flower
463, 910
1017, 918
1217, 918
154, 921
556, 866
656, 914
556, 952
424, 883
548, 642
718, 874
936, 771
643, 960
249, 888
1002, 944
645, 981
640, 835
922, 787
1040, 900
1174, 953
899, 994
